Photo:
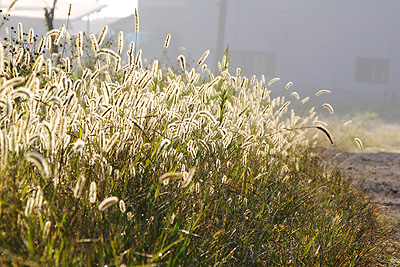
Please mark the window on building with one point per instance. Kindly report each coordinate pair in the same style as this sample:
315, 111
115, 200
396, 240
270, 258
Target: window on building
372, 70
255, 62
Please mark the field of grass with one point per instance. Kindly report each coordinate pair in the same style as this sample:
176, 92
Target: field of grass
376, 134
106, 161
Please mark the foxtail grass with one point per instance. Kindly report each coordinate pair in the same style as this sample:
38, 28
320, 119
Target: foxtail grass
206, 168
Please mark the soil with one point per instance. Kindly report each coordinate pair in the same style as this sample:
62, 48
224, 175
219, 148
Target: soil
380, 173
380, 177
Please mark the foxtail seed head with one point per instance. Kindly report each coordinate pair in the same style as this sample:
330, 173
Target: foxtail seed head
108, 202
323, 92
93, 41
167, 40
2, 57
79, 43
288, 85
329, 108
188, 177
182, 62
31, 34
122, 206
203, 57
296, 95
326, 132
93, 192
359, 143
305, 100
39, 162
102, 35
39, 198
120, 42
272, 81
170, 175
136, 20
60, 34
20, 32
79, 144
29, 206
46, 229
80, 184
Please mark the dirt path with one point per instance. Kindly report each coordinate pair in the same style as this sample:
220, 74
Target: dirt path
381, 172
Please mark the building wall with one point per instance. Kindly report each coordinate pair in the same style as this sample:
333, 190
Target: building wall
192, 25
348, 46
321, 44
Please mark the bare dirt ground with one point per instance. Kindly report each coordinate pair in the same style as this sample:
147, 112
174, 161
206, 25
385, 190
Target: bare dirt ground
381, 175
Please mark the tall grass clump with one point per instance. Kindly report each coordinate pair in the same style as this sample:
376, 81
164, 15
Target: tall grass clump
117, 163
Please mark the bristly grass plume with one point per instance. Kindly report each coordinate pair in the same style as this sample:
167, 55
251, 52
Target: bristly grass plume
206, 166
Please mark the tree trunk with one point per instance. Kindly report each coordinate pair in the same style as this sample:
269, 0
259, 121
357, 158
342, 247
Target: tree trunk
49, 15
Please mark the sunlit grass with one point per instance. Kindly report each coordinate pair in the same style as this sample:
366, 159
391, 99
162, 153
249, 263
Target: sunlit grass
107, 161
376, 134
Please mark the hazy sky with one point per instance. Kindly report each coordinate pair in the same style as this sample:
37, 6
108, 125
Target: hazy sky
116, 8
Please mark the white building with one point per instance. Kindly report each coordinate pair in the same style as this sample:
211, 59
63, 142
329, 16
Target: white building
351, 47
